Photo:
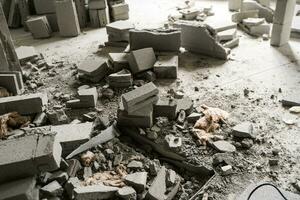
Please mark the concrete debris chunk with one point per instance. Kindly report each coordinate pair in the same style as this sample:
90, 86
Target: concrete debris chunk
219, 26
95, 192
140, 97
158, 188
120, 79
185, 104
60, 176
243, 130
93, 69
127, 193
223, 146
20, 189
72, 136
39, 27
141, 60
71, 185
253, 21
40, 119
232, 43
67, 18
119, 61
226, 170
239, 16
259, 30
52, 189
24, 104
137, 180
119, 31
159, 40
197, 38
173, 142
165, 107
26, 53
226, 35
263, 11
166, 67
87, 98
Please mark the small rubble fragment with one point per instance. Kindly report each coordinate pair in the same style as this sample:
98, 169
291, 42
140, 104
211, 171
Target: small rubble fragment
223, 146
243, 130
137, 180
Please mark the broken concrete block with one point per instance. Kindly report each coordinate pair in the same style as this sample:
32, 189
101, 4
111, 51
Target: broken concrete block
260, 29
120, 79
196, 38
10, 82
165, 107
135, 165
226, 35
52, 20
232, 43
94, 69
263, 12
44, 6
57, 117
159, 40
166, 67
226, 170
244, 130
119, 61
52, 189
127, 193
87, 98
36, 153
284, 12
97, 4
139, 118
24, 104
72, 183
238, 17
234, 5
141, 60
141, 96
185, 104
39, 27
26, 53
137, 180
21, 189
158, 187
95, 192
71, 136
253, 21
67, 18
219, 26
19, 77
280, 34
223, 146
120, 29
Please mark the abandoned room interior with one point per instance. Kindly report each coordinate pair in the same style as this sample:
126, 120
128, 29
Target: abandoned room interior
150, 99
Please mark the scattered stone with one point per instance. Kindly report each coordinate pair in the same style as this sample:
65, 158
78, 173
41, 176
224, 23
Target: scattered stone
72, 183
181, 117
173, 142
93, 70
127, 193
243, 130
185, 104
295, 109
52, 189
247, 143
171, 178
137, 180
226, 170
135, 165
223, 146
118, 159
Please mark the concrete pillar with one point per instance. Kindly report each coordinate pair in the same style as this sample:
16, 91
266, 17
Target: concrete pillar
282, 23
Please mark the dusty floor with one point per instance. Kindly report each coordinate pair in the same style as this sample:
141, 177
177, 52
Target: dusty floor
254, 65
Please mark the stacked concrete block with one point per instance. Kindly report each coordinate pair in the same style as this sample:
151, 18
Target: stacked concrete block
81, 13
67, 18
166, 67
87, 98
198, 39
23, 189
12, 81
39, 27
120, 11
98, 12
24, 104
165, 107
118, 61
93, 69
118, 33
283, 19
71, 136
121, 79
34, 154
141, 97
159, 40
141, 60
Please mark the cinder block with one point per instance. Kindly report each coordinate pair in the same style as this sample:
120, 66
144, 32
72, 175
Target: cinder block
71, 136
284, 11
139, 95
119, 61
238, 17
39, 27
166, 67
141, 60
67, 18
23, 189
119, 9
263, 11
120, 79
44, 6
260, 29
280, 34
159, 40
95, 69
10, 82
165, 107
119, 27
35, 154
24, 104
97, 4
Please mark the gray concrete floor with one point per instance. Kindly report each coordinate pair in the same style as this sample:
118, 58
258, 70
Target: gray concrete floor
254, 65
